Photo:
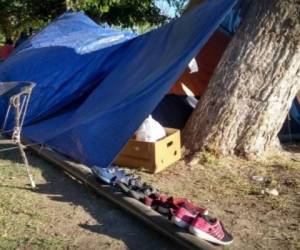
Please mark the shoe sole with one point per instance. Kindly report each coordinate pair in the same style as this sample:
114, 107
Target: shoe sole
179, 222
207, 237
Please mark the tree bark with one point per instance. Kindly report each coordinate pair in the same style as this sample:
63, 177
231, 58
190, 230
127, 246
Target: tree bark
253, 87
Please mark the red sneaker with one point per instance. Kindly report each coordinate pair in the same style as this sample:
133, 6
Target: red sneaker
155, 200
171, 207
211, 230
184, 216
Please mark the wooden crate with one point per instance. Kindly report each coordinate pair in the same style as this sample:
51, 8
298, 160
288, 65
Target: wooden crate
152, 156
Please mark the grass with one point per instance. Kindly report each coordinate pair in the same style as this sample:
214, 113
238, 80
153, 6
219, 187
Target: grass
22, 223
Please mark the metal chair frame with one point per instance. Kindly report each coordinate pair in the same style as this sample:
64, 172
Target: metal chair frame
18, 105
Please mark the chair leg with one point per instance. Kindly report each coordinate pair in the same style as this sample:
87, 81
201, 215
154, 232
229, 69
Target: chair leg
25, 161
17, 138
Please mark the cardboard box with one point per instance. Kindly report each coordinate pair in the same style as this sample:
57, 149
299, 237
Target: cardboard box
152, 156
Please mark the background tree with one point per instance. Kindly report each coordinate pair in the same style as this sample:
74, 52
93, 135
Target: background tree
124, 13
18, 15
252, 89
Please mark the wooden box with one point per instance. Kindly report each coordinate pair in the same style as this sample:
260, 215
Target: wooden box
151, 156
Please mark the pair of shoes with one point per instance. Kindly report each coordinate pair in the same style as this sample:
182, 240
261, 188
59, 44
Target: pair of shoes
198, 222
170, 205
109, 175
155, 200
133, 186
114, 174
210, 229
130, 180
186, 213
125, 181
180, 209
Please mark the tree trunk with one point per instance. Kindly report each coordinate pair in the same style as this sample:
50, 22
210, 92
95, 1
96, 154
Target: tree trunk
252, 89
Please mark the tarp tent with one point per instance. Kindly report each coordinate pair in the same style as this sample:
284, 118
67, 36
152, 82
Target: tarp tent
67, 59
94, 91
176, 107
290, 131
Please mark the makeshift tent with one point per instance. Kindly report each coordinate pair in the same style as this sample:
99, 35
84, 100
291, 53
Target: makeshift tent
174, 110
67, 60
176, 107
290, 131
94, 90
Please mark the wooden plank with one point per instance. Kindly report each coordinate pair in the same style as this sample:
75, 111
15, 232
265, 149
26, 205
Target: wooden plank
131, 205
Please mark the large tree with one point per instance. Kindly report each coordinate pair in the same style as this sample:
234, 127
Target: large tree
252, 89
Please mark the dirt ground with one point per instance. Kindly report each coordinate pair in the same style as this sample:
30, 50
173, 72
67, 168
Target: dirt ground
63, 214
227, 188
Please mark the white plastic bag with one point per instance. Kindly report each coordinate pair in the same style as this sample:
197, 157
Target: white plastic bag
193, 65
150, 131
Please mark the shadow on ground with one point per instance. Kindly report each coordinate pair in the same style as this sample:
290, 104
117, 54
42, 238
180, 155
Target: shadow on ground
108, 219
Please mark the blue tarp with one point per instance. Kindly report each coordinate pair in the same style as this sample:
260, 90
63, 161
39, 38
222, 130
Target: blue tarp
96, 86
66, 59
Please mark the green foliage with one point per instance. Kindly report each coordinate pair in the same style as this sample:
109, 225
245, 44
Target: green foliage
2, 39
19, 15
123, 13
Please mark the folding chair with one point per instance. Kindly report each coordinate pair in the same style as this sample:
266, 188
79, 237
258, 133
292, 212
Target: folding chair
18, 96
